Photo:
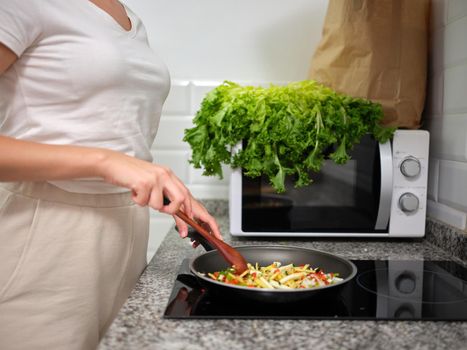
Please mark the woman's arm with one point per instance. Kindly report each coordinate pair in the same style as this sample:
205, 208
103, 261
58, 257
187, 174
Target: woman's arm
7, 58
31, 161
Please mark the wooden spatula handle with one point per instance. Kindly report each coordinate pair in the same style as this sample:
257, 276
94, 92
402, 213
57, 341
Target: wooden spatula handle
229, 253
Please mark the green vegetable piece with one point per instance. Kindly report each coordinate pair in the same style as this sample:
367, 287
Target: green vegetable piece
285, 130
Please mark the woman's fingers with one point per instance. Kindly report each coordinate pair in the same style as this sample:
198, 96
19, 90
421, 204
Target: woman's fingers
204, 218
202, 215
181, 226
180, 191
187, 203
140, 196
164, 185
176, 201
214, 227
177, 193
157, 199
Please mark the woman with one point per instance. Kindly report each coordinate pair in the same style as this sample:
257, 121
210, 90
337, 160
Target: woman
81, 94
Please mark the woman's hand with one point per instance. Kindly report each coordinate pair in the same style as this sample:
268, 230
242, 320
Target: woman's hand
149, 184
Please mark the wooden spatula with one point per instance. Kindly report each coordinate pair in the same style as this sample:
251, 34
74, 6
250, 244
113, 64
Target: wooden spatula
230, 254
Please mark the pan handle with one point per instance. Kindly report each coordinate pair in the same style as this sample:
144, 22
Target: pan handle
193, 234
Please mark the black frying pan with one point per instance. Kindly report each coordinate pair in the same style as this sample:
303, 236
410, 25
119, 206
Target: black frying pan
212, 261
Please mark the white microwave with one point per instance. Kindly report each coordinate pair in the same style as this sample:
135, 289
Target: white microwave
380, 192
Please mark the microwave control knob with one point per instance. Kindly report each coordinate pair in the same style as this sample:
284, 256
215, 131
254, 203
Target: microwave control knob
410, 167
408, 202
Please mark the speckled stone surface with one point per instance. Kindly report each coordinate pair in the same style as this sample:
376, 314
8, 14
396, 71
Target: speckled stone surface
140, 324
447, 237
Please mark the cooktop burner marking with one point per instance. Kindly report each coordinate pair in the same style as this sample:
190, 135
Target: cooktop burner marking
406, 282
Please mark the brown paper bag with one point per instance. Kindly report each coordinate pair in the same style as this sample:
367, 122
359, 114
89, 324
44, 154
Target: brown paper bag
377, 49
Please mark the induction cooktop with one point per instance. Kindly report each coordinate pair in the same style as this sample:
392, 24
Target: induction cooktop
381, 290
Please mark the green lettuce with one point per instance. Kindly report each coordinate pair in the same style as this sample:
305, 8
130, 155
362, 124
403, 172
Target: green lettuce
287, 130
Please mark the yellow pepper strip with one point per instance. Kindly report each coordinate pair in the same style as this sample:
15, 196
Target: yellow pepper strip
273, 277
244, 273
294, 276
285, 267
265, 283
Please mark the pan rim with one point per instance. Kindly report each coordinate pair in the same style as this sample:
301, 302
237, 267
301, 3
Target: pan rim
280, 291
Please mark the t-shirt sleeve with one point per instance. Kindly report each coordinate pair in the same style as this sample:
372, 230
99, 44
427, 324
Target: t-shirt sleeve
20, 24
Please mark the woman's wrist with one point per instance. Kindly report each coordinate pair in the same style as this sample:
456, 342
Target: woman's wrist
99, 161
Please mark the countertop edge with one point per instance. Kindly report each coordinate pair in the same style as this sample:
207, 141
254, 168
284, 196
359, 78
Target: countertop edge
448, 238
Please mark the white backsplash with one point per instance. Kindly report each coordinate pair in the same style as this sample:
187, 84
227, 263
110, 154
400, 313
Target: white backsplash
446, 113
170, 149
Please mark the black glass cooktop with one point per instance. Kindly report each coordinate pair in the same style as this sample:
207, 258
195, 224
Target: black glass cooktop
381, 290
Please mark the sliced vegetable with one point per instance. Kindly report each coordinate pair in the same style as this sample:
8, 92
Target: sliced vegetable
275, 276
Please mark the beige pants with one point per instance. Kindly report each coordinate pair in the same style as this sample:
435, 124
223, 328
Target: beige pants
67, 264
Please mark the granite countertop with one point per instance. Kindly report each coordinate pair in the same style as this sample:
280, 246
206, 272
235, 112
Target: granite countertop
140, 324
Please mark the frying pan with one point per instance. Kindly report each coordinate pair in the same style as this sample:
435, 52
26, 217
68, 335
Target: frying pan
212, 261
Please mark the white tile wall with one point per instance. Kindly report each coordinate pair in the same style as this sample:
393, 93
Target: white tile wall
176, 160
455, 45
171, 132
455, 93
233, 39
447, 214
456, 9
453, 184
179, 100
446, 112
433, 176
448, 137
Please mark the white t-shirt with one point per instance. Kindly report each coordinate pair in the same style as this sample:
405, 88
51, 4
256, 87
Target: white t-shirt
81, 79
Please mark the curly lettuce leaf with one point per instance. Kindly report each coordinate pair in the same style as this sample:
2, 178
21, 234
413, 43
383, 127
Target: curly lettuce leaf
286, 129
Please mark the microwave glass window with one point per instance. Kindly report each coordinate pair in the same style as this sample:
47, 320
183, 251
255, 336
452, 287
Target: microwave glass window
341, 198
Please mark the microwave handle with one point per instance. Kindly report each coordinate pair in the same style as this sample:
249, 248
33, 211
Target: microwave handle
385, 197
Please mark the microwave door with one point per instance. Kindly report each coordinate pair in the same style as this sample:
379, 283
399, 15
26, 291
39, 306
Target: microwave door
358, 198
384, 211
341, 198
